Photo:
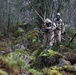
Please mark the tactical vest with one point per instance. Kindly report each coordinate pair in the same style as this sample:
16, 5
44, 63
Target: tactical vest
48, 27
58, 24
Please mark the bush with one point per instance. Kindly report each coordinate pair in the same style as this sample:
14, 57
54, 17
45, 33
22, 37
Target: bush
1, 35
70, 31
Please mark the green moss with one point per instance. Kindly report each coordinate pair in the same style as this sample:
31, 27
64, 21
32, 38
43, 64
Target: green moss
32, 58
3, 72
53, 72
70, 31
68, 68
44, 70
34, 72
49, 53
72, 45
32, 34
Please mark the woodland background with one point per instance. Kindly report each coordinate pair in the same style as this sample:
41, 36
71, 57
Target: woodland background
21, 41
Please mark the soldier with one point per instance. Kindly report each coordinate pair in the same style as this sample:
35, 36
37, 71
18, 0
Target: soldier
49, 33
60, 29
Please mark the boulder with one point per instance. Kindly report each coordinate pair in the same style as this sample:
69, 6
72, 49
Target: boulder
54, 59
63, 62
70, 56
50, 58
19, 46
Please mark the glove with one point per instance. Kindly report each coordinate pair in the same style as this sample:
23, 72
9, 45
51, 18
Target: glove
57, 28
63, 33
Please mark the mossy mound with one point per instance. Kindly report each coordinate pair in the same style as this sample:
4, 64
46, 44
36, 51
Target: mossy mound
34, 72
51, 71
48, 53
46, 59
4, 46
71, 56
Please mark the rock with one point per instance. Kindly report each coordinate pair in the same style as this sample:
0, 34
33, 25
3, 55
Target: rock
63, 62
2, 52
66, 65
50, 58
20, 46
70, 56
53, 60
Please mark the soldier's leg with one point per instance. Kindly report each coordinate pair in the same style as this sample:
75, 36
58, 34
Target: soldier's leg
45, 40
51, 39
63, 36
59, 36
56, 36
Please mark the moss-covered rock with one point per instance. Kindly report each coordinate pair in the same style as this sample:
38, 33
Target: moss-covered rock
50, 58
71, 56
68, 68
63, 62
48, 53
51, 71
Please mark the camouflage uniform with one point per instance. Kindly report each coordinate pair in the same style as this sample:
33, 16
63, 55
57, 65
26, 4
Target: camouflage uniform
49, 33
59, 30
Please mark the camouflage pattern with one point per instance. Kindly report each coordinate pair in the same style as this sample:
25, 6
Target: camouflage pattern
59, 30
49, 33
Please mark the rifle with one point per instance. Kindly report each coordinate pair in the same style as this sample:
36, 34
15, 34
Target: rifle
71, 39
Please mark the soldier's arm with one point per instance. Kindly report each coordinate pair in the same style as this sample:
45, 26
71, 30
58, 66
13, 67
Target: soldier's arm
54, 26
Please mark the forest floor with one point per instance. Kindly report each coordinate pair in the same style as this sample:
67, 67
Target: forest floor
20, 57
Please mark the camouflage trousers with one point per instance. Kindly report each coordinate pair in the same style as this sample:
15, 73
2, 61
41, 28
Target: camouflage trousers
57, 37
48, 39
